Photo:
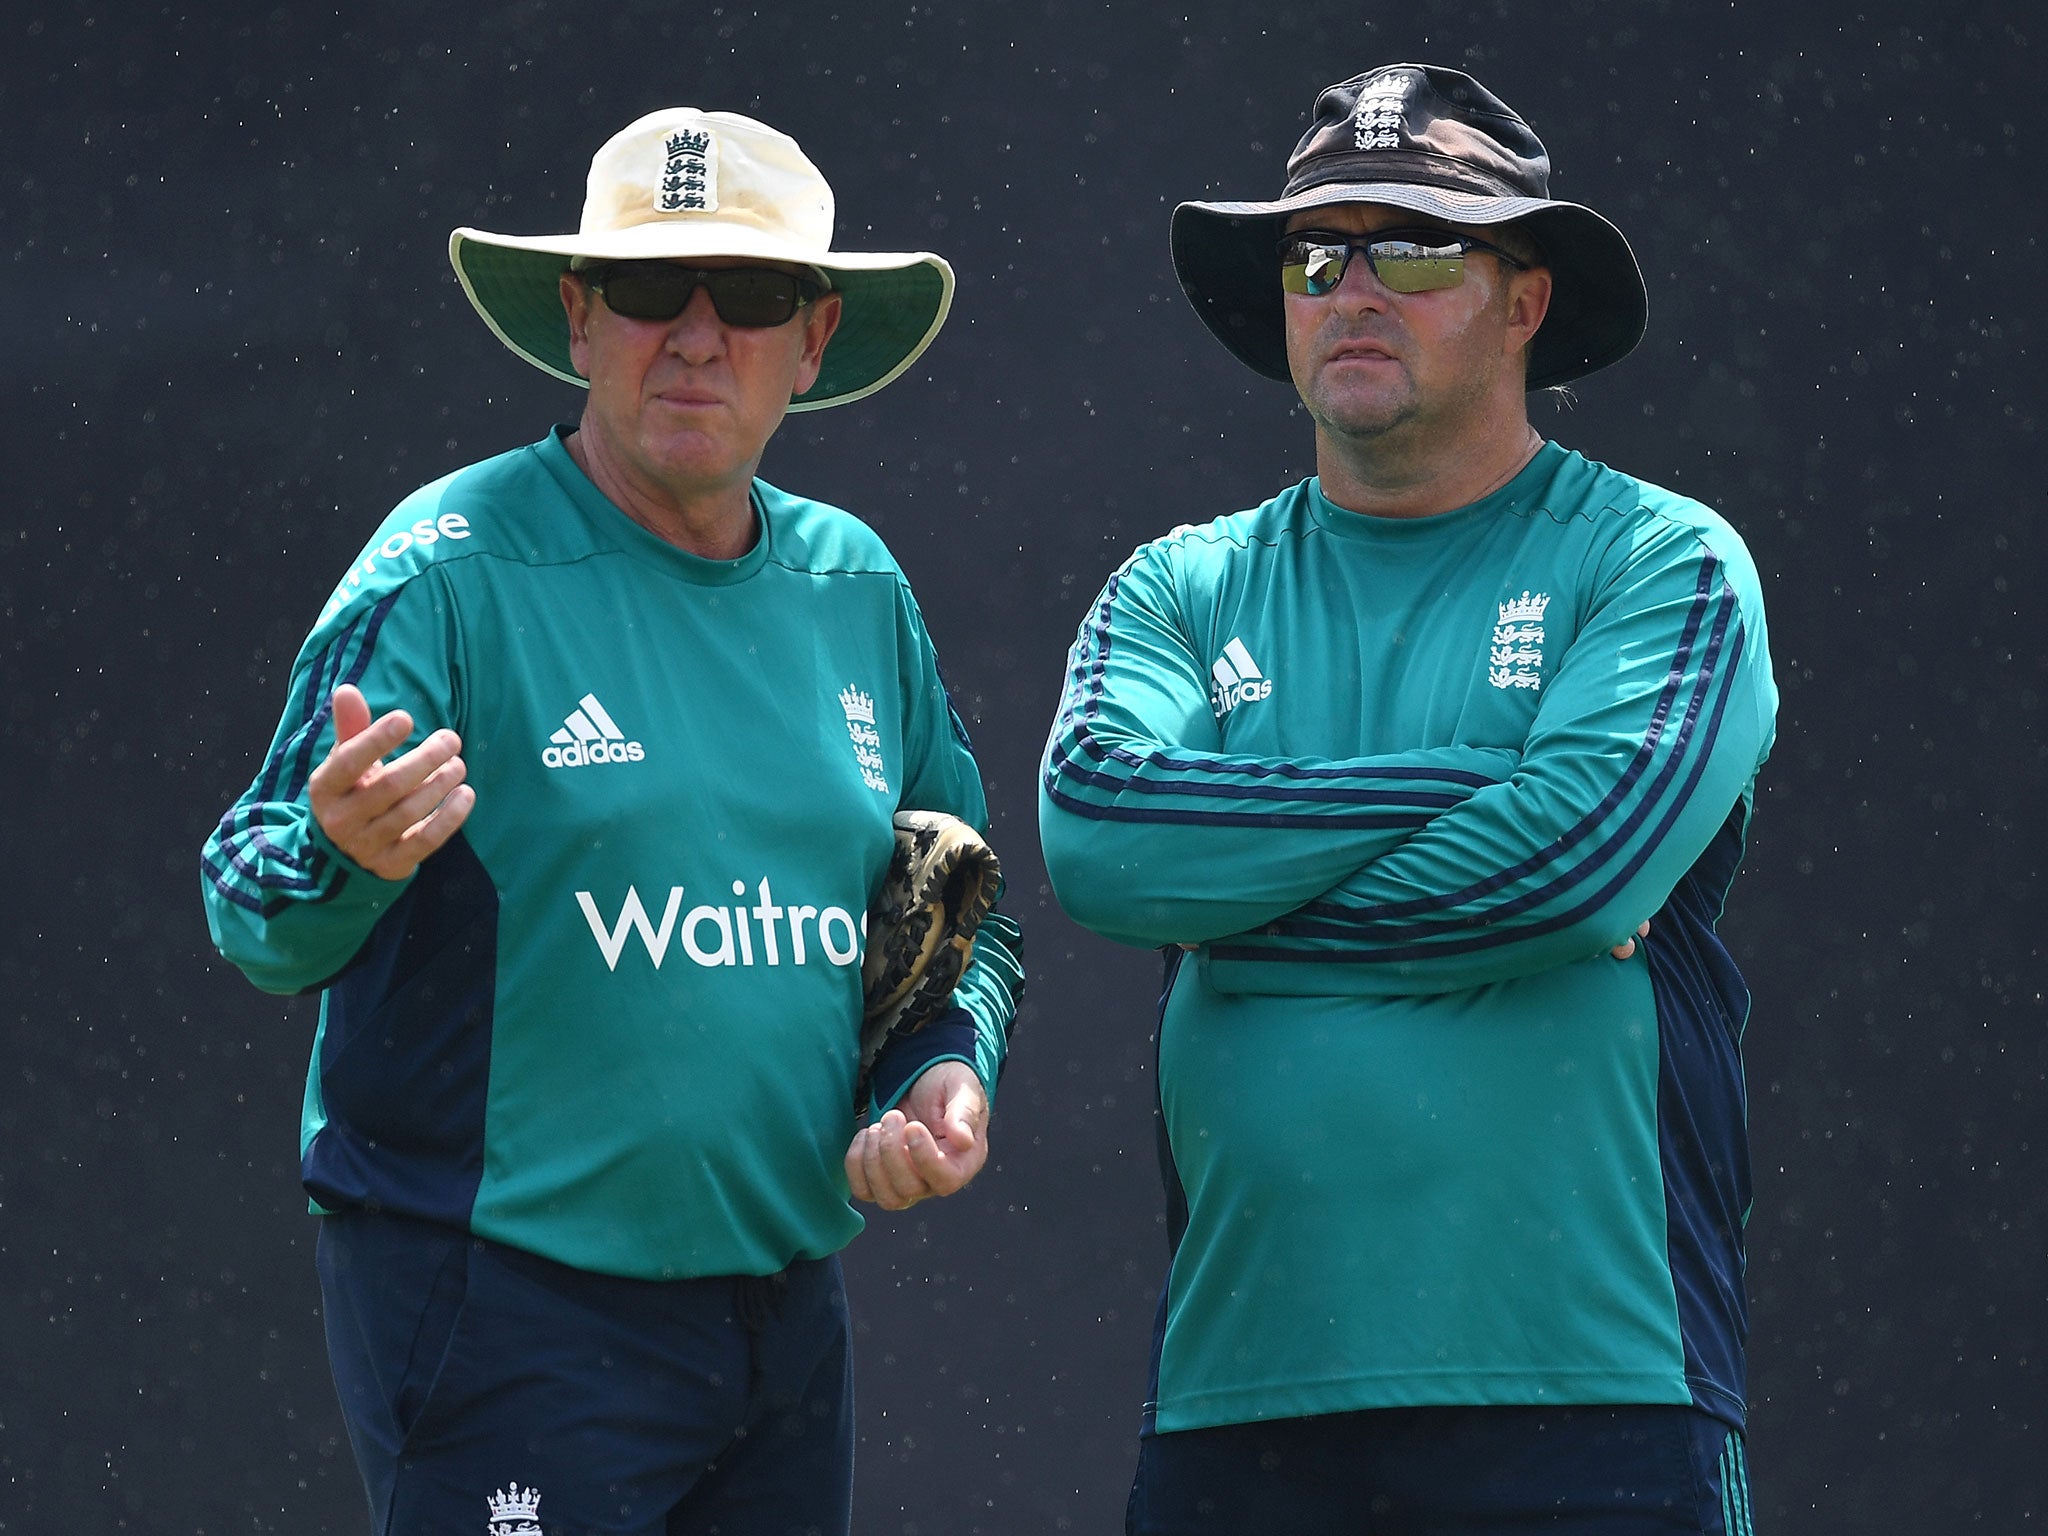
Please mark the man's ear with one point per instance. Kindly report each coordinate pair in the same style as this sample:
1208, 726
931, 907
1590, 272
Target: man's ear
576, 305
821, 319
1528, 303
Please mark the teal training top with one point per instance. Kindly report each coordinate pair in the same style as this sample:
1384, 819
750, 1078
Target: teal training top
614, 1021
1402, 784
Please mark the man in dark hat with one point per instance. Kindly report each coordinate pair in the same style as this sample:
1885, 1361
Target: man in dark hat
585, 782
1394, 768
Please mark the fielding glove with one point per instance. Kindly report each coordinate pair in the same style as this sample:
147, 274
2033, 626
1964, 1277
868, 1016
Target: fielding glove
941, 883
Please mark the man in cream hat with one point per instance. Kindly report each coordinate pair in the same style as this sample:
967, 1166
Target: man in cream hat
1393, 768
584, 784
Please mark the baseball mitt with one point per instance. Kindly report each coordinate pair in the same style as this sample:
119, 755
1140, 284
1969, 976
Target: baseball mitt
941, 883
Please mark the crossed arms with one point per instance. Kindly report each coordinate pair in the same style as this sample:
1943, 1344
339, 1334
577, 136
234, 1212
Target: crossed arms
1411, 872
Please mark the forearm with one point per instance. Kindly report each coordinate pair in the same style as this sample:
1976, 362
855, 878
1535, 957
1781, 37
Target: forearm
1152, 844
989, 993
1154, 834
1641, 755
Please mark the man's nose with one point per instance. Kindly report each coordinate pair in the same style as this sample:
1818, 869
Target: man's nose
697, 333
1360, 287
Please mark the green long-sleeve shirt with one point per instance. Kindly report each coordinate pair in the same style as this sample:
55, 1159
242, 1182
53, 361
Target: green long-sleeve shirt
615, 1020
1403, 783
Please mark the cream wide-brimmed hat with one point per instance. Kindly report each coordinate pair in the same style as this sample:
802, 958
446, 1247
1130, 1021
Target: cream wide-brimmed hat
682, 183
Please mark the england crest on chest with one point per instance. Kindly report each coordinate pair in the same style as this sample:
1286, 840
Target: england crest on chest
1515, 659
867, 741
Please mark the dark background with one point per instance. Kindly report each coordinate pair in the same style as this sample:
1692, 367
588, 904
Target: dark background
232, 341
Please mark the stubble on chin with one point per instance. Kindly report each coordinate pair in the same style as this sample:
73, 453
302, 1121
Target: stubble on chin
1354, 407
1359, 415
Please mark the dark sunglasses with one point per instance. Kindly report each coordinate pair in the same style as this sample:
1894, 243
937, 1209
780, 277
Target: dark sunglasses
755, 297
1312, 261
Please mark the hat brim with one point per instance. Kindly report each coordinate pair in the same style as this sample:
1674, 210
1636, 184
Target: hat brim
892, 304
1224, 255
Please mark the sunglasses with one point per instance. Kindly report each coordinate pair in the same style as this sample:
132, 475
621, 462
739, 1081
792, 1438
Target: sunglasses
1312, 261
753, 297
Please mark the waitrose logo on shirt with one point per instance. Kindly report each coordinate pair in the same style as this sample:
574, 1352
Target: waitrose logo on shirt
763, 933
417, 541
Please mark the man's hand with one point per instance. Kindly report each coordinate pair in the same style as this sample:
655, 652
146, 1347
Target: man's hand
387, 816
1627, 947
933, 1143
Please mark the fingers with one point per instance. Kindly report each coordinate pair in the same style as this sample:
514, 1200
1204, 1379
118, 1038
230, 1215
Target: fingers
351, 712
965, 1112
948, 1093
431, 783
388, 816
378, 792
355, 753
946, 1168
425, 836
897, 1183
1627, 947
856, 1168
897, 1162
878, 1167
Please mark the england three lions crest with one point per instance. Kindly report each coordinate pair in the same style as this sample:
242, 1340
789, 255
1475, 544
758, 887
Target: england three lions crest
515, 1511
1516, 657
867, 741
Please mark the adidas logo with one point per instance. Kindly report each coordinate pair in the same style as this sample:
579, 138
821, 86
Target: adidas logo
590, 736
1238, 680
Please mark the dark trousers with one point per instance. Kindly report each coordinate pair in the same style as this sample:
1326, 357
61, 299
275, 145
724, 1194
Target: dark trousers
1496, 1471
489, 1390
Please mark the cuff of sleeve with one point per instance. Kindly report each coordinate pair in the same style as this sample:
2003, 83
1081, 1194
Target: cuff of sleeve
349, 872
952, 1036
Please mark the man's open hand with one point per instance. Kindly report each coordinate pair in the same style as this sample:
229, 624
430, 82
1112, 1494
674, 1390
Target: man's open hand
387, 816
933, 1143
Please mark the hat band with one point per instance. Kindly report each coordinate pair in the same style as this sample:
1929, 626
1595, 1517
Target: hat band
1407, 168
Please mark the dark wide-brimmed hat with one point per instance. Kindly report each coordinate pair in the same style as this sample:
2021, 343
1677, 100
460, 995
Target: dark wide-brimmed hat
1434, 142
684, 183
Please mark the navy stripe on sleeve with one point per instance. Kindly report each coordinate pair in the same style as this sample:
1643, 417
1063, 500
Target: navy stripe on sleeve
281, 874
1639, 764
1075, 745
1502, 935
1342, 918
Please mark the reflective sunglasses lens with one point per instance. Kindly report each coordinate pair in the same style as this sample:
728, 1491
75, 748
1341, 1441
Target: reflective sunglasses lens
1409, 266
1311, 268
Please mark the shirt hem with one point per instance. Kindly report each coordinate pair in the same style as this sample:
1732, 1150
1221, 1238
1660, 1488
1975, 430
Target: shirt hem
1208, 1410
